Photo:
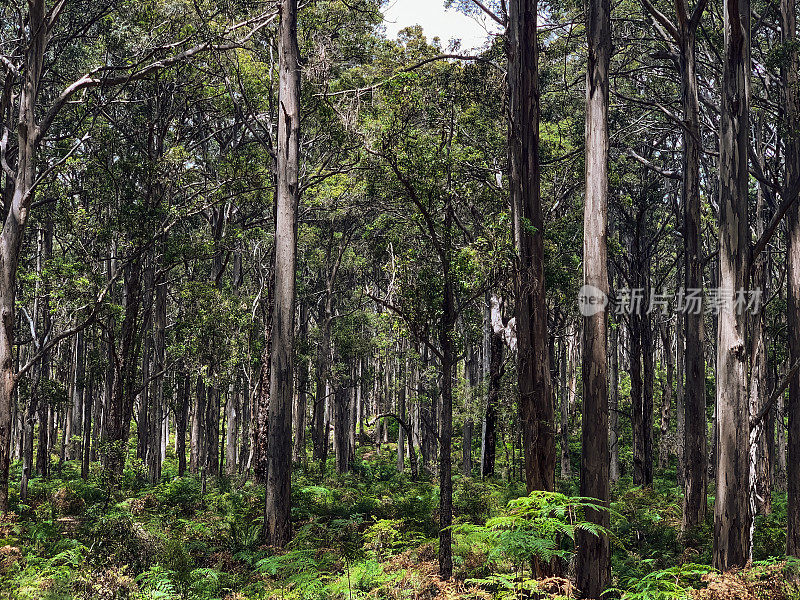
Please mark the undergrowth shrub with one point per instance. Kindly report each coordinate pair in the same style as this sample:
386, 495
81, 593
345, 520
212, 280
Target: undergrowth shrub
673, 583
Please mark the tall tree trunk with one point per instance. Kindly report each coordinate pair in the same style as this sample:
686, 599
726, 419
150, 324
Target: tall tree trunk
86, 453
790, 191
299, 412
279, 450
694, 442
197, 441
78, 394
122, 399
593, 560
232, 414
401, 411
664, 442
731, 508
613, 406
533, 373
181, 418
341, 428
14, 226
680, 420
446, 421
496, 371
470, 380
159, 355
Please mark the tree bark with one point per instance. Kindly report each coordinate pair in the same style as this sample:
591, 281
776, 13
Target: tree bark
496, 371
14, 225
533, 373
792, 116
613, 406
278, 524
664, 443
731, 508
593, 557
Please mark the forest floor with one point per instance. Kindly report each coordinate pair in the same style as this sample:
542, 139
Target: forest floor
369, 534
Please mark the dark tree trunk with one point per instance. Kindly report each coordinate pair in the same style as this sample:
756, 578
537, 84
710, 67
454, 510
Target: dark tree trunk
613, 405
496, 371
664, 445
341, 428
731, 506
446, 428
181, 418
299, 412
197, 436
533, 374
157, 394
790, 191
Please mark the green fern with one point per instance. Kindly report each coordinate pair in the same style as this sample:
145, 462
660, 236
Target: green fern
157, 584
666, 584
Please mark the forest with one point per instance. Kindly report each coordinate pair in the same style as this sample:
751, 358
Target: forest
294, 309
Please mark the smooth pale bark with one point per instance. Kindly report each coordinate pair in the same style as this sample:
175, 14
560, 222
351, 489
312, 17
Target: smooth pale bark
792, 116
533, 373
279, 452
731, 507
593, 569
14, 225
232, 412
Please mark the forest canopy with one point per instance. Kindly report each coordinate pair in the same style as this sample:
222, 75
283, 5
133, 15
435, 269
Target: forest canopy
293, 309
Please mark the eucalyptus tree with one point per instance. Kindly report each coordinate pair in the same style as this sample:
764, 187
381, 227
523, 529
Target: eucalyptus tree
44, 77
731, 506
593, 566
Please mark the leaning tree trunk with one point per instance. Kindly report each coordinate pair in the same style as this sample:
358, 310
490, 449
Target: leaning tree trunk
14, 226
593, 569
278, 525
731, 508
